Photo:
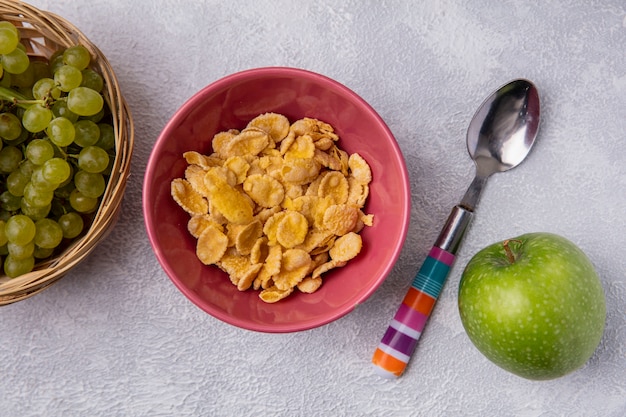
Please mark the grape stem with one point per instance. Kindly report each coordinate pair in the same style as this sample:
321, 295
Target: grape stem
17, 98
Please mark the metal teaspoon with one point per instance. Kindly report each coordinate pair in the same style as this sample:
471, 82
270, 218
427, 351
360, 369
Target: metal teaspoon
499, 138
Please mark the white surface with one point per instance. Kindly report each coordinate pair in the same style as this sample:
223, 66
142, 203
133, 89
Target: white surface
115, 338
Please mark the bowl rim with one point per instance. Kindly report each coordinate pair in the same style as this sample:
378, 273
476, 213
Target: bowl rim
182, 112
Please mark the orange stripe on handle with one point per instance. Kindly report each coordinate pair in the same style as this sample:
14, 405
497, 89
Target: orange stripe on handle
419, 301
388, 362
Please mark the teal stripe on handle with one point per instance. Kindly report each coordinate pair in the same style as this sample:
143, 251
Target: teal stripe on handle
431, 277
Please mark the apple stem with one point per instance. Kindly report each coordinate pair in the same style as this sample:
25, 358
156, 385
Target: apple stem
508, 251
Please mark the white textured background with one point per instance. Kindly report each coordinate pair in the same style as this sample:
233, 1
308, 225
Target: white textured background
115, 338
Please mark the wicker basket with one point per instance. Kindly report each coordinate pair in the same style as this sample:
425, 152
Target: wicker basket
43, 33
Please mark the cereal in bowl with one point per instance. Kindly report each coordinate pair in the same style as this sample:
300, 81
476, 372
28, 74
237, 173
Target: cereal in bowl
276, 205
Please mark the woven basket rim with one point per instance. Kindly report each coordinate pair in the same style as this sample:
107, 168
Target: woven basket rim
43, 33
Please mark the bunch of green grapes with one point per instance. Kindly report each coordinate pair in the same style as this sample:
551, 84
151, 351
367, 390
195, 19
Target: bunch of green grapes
56, 150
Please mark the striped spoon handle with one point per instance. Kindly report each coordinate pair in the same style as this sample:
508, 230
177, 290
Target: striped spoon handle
399, 341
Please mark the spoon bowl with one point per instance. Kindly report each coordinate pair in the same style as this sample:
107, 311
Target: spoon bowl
501, 133
504, 128
499, 138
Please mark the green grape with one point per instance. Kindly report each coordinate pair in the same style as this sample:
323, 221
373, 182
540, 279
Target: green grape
10, 202
37, 197
84, 101
56, 170
89, 184
81, 203
60, 207
36, 118
20, 229
21, 251
23, 137
93, 159
56, 60
68, 77
10, 126
48, 234
92, 79
45, 88
77, 56
64, 190
42, 253
109, 168
9, 39
41, 69
9, 25
16, 181
107, 137
27, 167
39, 182
5, 81
59, 109
25, 79
87, 133
16, 61
96, 118
39, 151
72, 224
3, 235
27, 92
61, 131
10, 158
70, 177
35, 213
16, 267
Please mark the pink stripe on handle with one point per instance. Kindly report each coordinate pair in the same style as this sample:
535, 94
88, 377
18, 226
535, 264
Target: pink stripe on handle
441, 255
410, 317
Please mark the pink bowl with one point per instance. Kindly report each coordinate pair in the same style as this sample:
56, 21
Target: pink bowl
230, 103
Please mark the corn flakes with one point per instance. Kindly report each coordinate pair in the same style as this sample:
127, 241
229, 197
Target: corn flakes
300, 171
196, 158
194, 174
294, 268
302, 148
199, 222
220, 142
266, 191
275, 125
273, 294
247, 237
340, 218
211, 245
270, 268
189, 199
309, 284
334, 185
276, 205
239, 166
259, 251
360, 169
249, 142
292, 229
327, 266
327, 160
357, 192
229, 201
346, 247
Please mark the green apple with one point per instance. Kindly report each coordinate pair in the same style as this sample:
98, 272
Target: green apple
533, 305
